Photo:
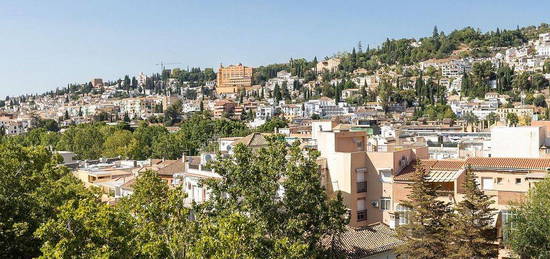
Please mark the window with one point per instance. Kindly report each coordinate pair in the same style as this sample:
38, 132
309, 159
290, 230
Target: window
518, 180
487, 183
499, 180
403, 212
361, 210
385, 203
361, 182
505, 216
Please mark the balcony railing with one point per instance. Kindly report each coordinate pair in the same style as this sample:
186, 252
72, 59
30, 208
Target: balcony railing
361, 215
361, 187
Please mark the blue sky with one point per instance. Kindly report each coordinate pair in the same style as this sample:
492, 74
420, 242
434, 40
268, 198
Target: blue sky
48, 44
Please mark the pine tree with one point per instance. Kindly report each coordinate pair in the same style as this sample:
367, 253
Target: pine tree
472, 232
426, 234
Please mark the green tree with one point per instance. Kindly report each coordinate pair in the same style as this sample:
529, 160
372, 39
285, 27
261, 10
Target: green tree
172, 114
472, 232
527, 232
32, 186
145, 136
272, 124
512, 119
49, 124
160, 221
86, 140
86, 228
492, 117
539, 82
425, 236
277, 93
278, 190
118, 144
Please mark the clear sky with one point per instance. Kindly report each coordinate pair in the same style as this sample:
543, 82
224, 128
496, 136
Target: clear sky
48, 44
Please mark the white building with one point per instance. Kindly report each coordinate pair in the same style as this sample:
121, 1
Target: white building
516, 141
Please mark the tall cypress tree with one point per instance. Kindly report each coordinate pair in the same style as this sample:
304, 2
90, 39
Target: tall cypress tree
277, 93
472, 233
426, 234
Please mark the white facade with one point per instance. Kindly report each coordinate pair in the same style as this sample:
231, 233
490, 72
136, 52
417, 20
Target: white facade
522, 142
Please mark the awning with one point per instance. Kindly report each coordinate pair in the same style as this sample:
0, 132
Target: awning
442, 176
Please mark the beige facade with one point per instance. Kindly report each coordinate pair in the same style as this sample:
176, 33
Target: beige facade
329, 65
363, 178
233, 78
505, 180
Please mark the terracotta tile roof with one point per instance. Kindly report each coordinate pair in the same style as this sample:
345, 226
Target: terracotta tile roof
509, 162
165, 167
252, 140
365, 241
175, 167
476, 163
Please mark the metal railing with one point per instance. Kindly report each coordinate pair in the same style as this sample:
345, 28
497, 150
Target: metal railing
361, 215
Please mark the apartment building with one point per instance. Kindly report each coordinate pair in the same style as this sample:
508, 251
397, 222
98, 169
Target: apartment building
505, 180
528, 142
525, 111
455, 68
233, 78
143, 107
12, 125
363, 178
223, 107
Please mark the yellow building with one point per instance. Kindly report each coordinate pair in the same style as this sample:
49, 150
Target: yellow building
233, 78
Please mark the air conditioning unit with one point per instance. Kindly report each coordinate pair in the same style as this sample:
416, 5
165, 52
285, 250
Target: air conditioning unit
374, 204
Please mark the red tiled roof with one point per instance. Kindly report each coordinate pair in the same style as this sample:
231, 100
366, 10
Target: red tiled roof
509, 162
475, 162
365, 241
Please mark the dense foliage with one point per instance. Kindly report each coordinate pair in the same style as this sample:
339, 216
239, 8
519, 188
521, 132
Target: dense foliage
95, 140
46, 212
528, 229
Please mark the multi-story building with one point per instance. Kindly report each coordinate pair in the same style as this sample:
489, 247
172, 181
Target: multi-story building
14, 126
505, 180
223, 107
543, 45
524, 111
329, 65
264, 112
144, 107
233, 78
363, 178
455, 68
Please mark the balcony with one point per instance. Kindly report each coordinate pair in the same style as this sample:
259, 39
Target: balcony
361, 187
361, 215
